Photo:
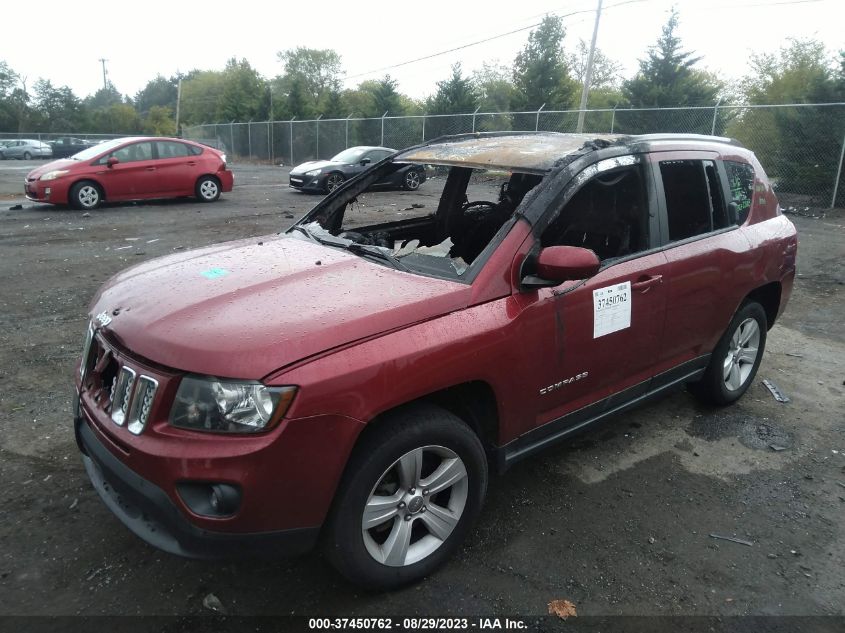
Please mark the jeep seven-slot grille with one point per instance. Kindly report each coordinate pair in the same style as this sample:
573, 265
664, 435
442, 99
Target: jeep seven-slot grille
130, 395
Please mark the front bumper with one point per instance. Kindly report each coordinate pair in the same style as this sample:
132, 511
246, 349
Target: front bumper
149, 513
50, 191
306, 183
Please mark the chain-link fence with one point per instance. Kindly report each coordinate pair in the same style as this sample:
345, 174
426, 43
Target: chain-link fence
801, 145
47, 137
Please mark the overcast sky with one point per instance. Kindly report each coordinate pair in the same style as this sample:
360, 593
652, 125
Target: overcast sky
62, 41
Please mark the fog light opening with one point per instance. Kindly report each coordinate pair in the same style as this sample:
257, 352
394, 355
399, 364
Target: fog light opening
217, 500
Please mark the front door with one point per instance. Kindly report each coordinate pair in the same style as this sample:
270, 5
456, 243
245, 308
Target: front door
133, 176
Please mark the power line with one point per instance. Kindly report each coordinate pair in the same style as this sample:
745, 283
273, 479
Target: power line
564, 15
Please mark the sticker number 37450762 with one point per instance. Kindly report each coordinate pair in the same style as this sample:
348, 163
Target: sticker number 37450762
611, 309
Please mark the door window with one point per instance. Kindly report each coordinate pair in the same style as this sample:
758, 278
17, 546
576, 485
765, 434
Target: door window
694, 201
131, 153
171, 149
741, 182
608, 215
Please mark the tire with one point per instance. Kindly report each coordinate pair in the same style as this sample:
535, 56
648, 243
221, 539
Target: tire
411, 180
207, 189
333, 181
85, 196
735, 359
27, 156
380, 473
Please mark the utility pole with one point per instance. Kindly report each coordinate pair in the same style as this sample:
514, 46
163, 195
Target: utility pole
178, 104
588, 73
105, 81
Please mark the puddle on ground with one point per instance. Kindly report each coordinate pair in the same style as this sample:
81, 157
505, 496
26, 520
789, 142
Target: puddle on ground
752, 431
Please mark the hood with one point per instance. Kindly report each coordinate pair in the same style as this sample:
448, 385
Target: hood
245, 309
314, 164
62, 163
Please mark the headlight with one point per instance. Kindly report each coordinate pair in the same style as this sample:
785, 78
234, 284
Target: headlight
206, 404
52, 175
223, 158
313, 172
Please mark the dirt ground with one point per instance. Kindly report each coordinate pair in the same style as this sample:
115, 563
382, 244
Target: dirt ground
619, 521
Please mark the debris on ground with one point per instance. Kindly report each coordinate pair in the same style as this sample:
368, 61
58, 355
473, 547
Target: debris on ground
775, 390
74, 504
562, 609
777, 448
16, 207
732, 539
86, 215
212, 603
417, 205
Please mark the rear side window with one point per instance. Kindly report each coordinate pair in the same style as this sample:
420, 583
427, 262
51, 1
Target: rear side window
694, 201
196, 151
741, 182
170, 149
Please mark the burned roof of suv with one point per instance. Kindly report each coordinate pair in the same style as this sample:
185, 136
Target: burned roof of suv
530, 152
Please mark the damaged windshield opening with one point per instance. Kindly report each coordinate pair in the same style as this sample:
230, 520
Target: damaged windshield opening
440, 231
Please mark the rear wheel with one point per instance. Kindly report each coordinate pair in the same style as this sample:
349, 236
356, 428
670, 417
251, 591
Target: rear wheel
207, 189
736, 358
333, 181
413, 488
85, 196
27, 156
412, 180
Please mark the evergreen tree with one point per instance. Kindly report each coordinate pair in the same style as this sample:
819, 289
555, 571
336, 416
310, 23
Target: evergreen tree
455, 95
540, 72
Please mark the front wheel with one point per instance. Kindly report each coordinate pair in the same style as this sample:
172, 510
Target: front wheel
208, 189
412, 180
333, 181
85, 196
412, 490
736, 358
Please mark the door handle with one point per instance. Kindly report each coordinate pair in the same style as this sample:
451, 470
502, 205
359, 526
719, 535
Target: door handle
192, 163
645, 283
151, 168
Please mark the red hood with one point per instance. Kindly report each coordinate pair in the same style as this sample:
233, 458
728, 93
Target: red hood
244, 310
62, 163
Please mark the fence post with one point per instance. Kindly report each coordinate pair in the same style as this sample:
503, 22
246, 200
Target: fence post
613, 118
232, 135
537, 123
318, 136
249, 137
291, 141
382, 126
425, 116
269, 143
473, 118
838, 174
346, 144
715, 112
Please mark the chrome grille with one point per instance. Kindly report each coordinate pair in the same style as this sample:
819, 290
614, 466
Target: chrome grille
121, 395
87, 349
142, 403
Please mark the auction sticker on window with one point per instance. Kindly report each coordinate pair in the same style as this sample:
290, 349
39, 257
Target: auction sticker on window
611, 309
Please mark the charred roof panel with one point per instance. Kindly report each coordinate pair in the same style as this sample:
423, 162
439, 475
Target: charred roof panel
530, 153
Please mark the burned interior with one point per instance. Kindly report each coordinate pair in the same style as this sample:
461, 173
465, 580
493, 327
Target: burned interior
484, 181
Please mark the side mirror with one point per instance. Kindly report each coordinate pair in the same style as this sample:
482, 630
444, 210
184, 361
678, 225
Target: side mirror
556, 264
366, 161
112, 161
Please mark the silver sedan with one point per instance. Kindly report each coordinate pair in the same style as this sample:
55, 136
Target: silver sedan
25, 149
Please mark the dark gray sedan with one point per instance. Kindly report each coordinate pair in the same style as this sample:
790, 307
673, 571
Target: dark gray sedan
324, 176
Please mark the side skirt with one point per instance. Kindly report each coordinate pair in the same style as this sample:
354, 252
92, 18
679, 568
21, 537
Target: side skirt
580, 420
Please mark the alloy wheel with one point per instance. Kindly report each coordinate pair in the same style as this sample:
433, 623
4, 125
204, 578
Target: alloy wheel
88, 196
208, 189
333, 182
742, 354
412, 180
415, 506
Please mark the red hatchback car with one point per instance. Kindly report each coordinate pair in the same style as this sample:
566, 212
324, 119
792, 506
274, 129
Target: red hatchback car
353, 380
138, 168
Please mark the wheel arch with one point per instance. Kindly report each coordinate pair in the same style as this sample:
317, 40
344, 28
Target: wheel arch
768, 296
474, 402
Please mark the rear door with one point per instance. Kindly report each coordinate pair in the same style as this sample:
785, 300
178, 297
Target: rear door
704, 251
176, 168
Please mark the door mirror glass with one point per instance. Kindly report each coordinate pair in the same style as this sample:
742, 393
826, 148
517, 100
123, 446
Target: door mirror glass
557, 264
365, 161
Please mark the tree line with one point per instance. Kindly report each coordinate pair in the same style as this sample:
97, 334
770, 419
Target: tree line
310, 84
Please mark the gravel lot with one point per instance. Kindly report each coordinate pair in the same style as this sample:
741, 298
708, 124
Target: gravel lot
618, 521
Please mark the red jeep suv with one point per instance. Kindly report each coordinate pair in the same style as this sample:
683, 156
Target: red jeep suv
353, 379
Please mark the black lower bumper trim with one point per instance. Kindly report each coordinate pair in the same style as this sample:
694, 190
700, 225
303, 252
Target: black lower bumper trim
148, 512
